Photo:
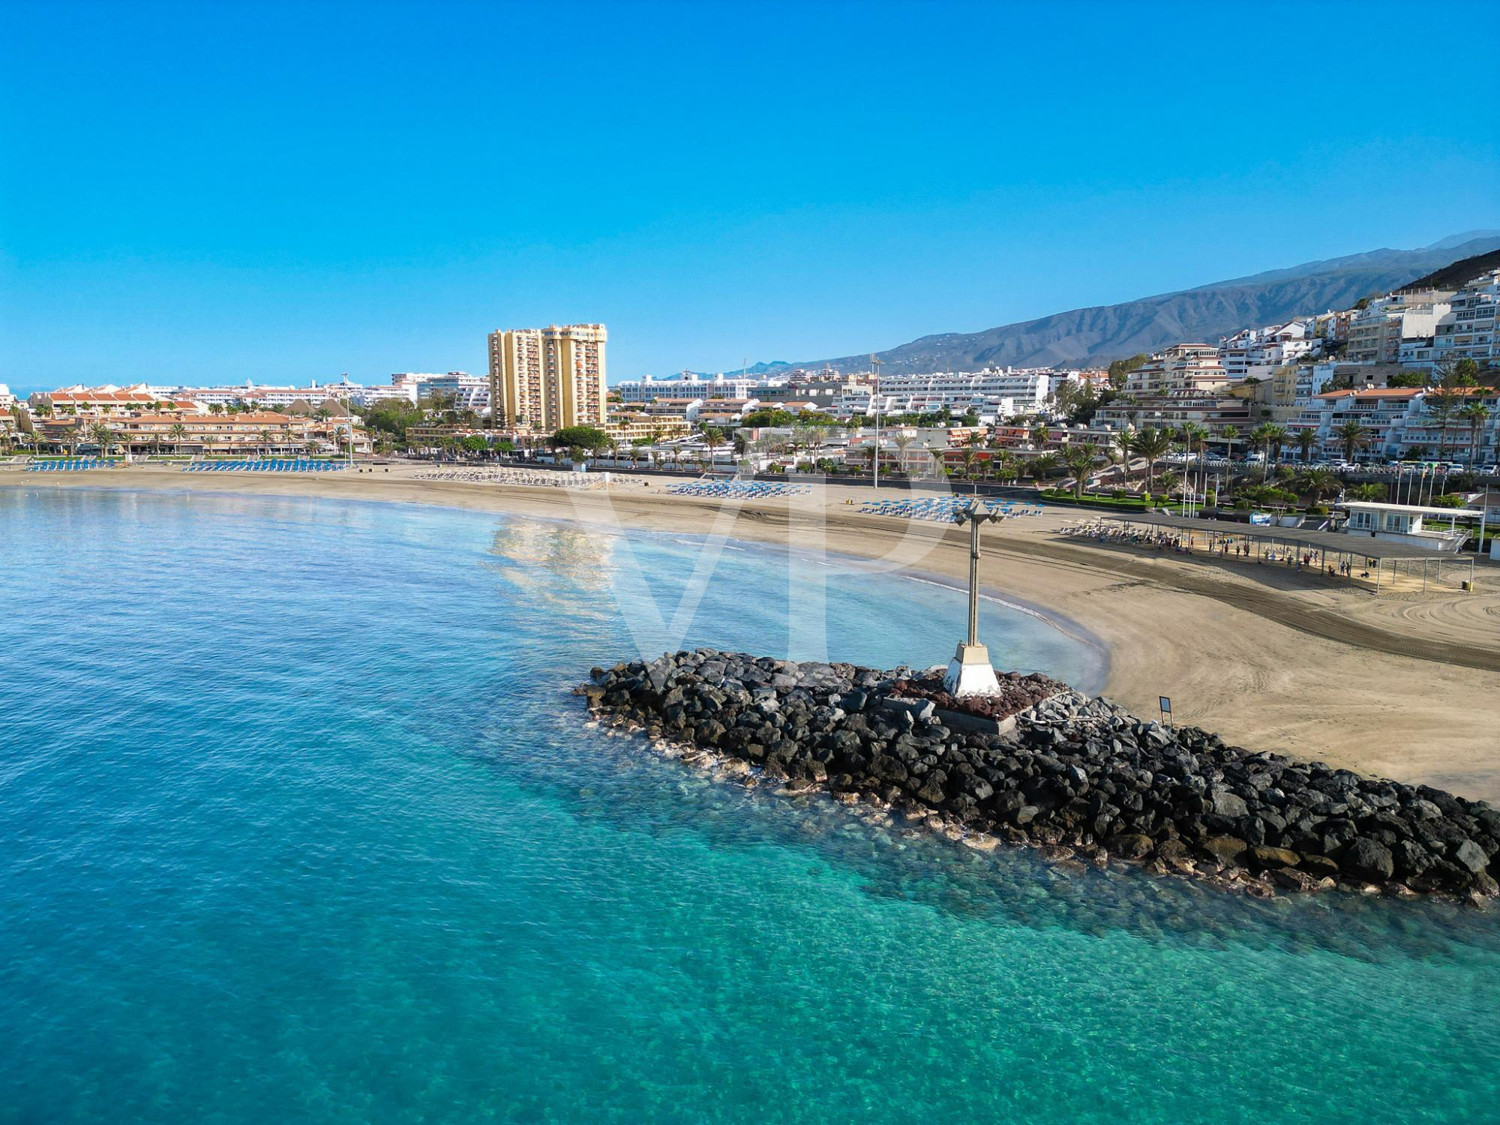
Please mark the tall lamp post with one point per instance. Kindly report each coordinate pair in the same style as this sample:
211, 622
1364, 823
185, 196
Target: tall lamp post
349, 417
970, 671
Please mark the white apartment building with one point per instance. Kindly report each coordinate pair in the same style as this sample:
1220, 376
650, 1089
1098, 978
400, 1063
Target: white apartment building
1418, 351
271, 396
994, 393
1254, 353
370, 395
1095, 378
1183, 383
412, 385
1171, 411
1399, 419
1384, 412
1468, 329
1180, 369
1376, 332
687, 385
464, 391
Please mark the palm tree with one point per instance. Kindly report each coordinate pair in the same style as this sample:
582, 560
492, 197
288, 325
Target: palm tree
103, 436
1151, 443
1229, 435
1040, 466
1318, 483
177, 431
1260, 437
1080, 458
1367, 492
1006, 468
1040, 434
1351, 436
1442, 406
968, 457
713, 439
1305, 440
1194, 437
1276, 437
266, 438
1121, 445
1476, 414
902, 441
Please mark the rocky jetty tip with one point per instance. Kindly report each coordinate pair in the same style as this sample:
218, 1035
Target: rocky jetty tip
1046, 766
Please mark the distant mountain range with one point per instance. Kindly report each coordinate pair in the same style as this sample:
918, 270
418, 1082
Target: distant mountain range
1100, 334
1459, 273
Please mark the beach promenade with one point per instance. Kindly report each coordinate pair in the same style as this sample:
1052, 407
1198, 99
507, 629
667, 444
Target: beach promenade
1402, 687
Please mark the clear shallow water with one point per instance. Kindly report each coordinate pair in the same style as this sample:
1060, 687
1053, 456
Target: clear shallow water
294, 827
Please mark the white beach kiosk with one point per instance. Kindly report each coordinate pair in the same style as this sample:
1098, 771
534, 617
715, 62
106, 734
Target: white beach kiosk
1415, 525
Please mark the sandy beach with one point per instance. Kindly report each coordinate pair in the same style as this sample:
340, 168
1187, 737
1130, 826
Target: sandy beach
1397, 686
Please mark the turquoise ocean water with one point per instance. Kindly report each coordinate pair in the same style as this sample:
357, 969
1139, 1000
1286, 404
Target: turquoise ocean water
298, 823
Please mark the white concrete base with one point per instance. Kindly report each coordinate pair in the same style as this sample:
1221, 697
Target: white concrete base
970, 673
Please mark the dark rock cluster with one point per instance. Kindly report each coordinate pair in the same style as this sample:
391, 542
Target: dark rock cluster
1081, 778
1016, 694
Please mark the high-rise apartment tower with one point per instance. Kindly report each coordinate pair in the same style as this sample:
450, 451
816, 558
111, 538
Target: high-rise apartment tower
548, 378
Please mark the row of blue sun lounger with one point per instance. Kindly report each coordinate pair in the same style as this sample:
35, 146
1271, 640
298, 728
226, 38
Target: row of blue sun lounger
68, 466
263, 466
737, 489
942, 509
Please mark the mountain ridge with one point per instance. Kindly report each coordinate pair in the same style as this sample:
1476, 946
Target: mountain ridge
1099, 333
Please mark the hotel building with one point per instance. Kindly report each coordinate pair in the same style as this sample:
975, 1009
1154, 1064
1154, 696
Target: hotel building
1376, 332
1183, 383
547, 378
1469, 331
687, 385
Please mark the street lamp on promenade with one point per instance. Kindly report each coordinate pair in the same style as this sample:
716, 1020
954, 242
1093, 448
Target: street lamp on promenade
970, 671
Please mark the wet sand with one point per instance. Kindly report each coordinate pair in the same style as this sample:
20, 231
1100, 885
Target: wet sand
1398, 686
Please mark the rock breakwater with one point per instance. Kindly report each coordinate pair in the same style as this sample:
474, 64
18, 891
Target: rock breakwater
1081, 778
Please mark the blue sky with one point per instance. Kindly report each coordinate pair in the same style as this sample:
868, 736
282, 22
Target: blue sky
207, 192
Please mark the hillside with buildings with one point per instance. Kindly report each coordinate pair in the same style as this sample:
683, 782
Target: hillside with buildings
1081, 337
1457, 274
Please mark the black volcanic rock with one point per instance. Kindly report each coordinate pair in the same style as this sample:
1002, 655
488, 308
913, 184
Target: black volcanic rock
1073, 775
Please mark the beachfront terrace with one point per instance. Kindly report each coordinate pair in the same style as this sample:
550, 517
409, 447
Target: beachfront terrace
1378, 565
